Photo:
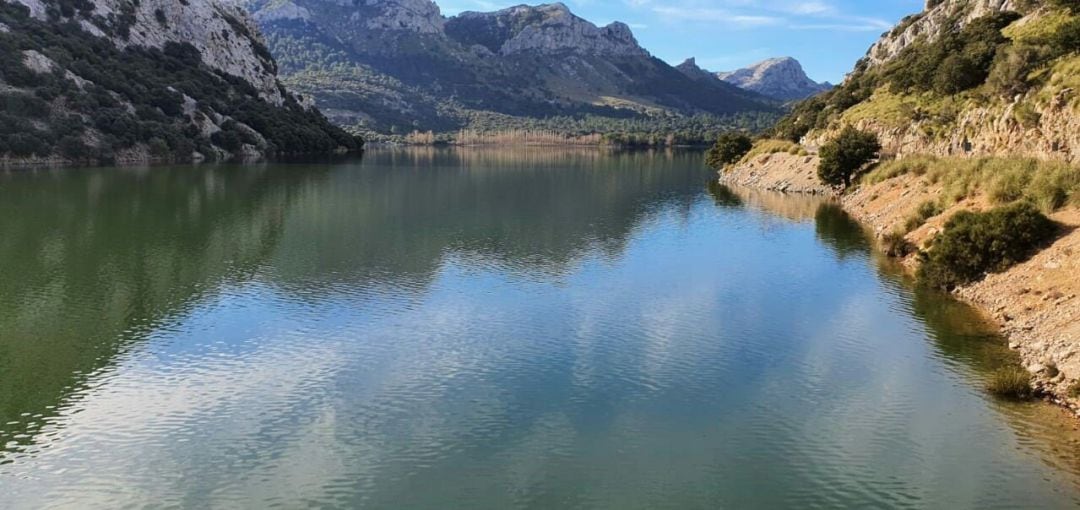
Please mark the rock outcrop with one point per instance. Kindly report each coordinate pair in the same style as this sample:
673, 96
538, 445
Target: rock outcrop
549, 28
928, 24
691, 69
419, 16
779, 78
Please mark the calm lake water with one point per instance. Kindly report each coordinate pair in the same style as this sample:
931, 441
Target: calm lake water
532, 328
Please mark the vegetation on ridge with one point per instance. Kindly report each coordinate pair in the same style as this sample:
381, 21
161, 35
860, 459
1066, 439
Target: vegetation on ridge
992, 58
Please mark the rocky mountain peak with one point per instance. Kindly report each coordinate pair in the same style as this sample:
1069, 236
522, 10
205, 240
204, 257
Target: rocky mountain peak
690, 68
548, 28
780, 78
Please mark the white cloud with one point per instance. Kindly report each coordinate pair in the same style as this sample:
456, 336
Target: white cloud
715, 16
748, 14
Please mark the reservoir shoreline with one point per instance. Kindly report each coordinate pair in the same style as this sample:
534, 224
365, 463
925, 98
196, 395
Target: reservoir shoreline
1031, 303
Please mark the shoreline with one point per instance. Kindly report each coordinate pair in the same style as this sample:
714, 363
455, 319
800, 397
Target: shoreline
1033, 304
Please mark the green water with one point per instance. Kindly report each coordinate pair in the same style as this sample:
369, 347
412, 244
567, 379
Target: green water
486, 329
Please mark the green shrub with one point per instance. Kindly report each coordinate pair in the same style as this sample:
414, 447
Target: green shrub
73, 148
1067, 38
895, 245
925, 211
914, 165
846, 155
1073, 5
729, 148
1025, 114
1013, 64
1011, 383
956, 74
158, 148
974, 244
1055, 187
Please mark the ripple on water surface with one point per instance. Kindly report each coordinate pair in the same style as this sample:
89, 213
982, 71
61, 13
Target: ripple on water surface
486, 330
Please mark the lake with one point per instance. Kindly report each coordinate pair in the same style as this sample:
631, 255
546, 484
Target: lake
483, 328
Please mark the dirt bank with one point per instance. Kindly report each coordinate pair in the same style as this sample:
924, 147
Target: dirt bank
1036, 303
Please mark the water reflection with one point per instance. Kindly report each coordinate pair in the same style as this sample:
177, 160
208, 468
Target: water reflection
962, 336
482, 329
530, 210
93, 260
840, 232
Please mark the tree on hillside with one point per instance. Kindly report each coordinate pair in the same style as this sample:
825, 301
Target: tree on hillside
846, 155
729, 148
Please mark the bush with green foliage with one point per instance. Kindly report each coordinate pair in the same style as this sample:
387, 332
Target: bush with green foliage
976, 243
843, 157
925, 211
729, 148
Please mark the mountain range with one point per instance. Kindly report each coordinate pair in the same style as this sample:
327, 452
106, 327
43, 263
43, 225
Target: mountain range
393, 66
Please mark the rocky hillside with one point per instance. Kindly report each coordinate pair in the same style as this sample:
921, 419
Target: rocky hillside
780, 78
976, 105
393, 66
963, 78
90, 81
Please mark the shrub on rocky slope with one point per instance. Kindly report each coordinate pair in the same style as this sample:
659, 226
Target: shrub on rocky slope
976, 243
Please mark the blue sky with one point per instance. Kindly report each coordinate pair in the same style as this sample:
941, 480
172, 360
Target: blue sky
827, 36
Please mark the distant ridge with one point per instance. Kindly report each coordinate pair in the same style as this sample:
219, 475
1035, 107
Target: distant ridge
395, 66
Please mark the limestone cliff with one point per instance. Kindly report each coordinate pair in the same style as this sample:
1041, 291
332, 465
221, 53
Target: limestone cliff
226, 38
549, 28
946, 15
137, 80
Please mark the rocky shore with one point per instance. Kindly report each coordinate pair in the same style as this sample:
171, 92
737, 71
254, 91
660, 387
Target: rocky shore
1036, 303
